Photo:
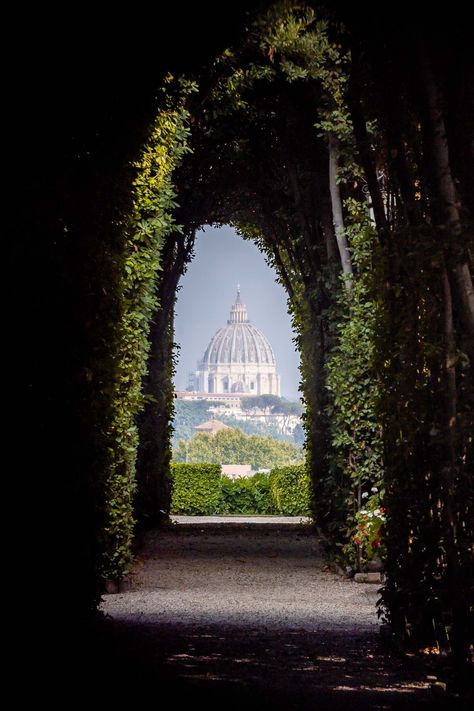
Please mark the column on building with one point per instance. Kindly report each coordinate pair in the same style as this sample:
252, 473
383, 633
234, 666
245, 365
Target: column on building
204, 381
278, 389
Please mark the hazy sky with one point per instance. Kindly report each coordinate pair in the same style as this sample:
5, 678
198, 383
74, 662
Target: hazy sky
208, 289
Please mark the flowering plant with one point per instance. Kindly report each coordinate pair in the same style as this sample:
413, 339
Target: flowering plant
369, 523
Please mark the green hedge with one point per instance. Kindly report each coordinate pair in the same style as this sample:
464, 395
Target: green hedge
247, 496
199, 489
196, 488
290, 490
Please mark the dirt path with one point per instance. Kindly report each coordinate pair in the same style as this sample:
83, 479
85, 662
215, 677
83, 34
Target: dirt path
248, 616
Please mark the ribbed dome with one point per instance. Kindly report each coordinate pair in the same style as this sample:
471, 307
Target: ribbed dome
239, 341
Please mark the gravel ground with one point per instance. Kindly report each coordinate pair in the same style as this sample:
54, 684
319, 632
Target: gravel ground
248, 616
216, 520
242, 576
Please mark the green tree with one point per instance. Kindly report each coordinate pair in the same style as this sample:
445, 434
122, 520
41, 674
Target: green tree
190, 413
267, 403
232, 446
187, 415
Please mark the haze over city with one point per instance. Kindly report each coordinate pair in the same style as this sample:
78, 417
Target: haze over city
208, 289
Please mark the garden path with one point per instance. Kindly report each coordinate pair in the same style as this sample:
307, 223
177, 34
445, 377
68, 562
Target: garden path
244, 616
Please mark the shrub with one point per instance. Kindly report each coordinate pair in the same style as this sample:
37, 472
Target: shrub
245, 496
199, 489
236, 496
260, 484
195, 488
290, 491
368, 532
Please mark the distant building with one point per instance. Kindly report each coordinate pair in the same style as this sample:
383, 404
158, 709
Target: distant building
235, 471
230, 400
239, 360
211, 427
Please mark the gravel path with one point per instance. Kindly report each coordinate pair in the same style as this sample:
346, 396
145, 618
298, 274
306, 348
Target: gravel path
261, 520
245, 616
242, 576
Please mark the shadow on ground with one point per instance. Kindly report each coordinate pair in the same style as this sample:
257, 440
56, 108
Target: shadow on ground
239, 621
235, 669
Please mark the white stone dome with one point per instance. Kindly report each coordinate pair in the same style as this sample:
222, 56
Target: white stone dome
239, 359
238, 342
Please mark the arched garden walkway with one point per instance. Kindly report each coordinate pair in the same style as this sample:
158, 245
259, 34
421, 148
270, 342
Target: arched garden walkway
361, 199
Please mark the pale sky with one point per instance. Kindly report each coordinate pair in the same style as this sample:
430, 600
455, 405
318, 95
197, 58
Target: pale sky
208, 289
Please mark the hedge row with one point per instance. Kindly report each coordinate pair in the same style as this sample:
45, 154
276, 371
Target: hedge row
195, 488
199, 489
290, 490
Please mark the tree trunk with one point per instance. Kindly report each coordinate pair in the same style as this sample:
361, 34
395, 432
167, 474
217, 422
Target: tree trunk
446, 200
465, 290
459, 603
445, 208
337, 216
363, 146
329, 237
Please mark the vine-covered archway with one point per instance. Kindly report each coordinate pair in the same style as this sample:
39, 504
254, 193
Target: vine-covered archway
361, 203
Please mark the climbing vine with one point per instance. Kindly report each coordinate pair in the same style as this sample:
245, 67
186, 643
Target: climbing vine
154, 200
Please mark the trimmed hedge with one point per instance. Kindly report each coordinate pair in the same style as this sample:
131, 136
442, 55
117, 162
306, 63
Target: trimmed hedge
199, 489
247, 496
290, 489
195, 488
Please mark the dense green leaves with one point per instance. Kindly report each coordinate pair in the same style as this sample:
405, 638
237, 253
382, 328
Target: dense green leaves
137, 268
291, 490
246, 496
199, 489
195, 488
386, 364
355, 387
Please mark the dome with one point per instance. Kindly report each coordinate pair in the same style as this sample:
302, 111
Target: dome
239, 341
238, 361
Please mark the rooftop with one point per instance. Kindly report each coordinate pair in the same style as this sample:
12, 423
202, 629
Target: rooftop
212, 426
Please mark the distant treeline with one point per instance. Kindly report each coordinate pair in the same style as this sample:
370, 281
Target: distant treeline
190, 413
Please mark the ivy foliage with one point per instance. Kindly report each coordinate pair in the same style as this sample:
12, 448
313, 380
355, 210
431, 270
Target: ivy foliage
137, 269
426, 588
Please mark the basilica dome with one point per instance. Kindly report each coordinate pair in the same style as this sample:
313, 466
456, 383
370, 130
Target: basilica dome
238, 359
239, 341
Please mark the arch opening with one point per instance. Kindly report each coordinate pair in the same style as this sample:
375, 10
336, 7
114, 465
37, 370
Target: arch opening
258, 165
350, 196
